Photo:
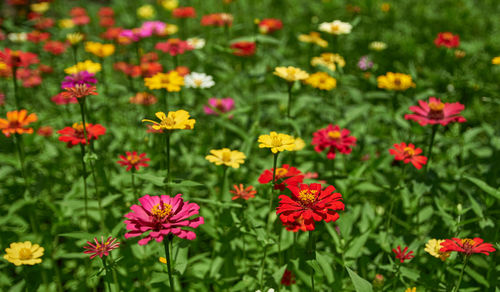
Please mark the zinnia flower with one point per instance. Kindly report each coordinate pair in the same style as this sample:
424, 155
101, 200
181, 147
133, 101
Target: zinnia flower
162, 215
277, 142
144, 98
313, 37
311, 203
243, 48
101, 248
82, 77
290, 73
17, 122
321, 80
226, 156
408, 153
270, 25
100, 50
133, 160
174, 47
24, 253
146, 11
334, 139
285, 175
79, 91
170, 81
217, 19
377, 46
395, 81
217, 106
467, 246
175, 120
61, 99
436, 112
198, 80
74, 135
336, 27
328, 60
74, 38
17, 58
54, 47
495, 61
242, 192
365, 63
433, 247
196, 43
87, 65
402, 255
184, 12
447, 39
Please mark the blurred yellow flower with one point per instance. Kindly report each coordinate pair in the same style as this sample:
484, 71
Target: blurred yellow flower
299, 144
170, 29
146, 11
385, 7
414, 289
277, 142
24, 253
321, 80
86, 65
176, 120
41, 7
290, 73
433, 247
313, 37
495, 61
162, 260
74, 38
171, 81
459, 54
328, 60
377, 46
226, 156
169, 4
100, 50
395, 81
66, 23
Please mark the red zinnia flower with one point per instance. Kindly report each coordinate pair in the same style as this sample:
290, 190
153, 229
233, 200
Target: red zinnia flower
217, 19
467, 246
297, 225
243, 49
79, 16
285, 176
101, 248
74, 135
61, 99
79, 91
402, 255
107, 21
17, 122
43, 23
184, 12
38, 36
436, 112
334, 139
133, 160
311, 203
112, 33
18, 58
45, 131
174, 46
408, 153
243, 193
106, 12
270, 25
288, 278
162, 215
447, 39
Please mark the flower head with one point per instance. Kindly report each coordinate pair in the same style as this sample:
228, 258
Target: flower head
101, 248
288, 278
314, 38
82, 77
146, 11
290, 73
24, 253
436, 112
17, 122
217, 19
495, 61
270, 25
447, 39
277, 142
100, 50
170, 81
321, 80
175, 120
365, 63
174, 47
217, 106
433, 247
196, 43
467, 246
87, 65
395, 81
133, 160
377, 46
243, 48
227, 157
17, 59
408, 153
184, 12
198, 80
310, 202
74, 38
402, 255
79, 91
336, 27
284, 176
334, 139
143, 98
328, 60
75, 135
242, 192
161, 216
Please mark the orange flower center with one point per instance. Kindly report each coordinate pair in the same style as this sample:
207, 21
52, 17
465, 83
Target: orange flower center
133, 159
334, 134
79, 128
447, 36
409, 151
25, 254
436, 110
281, 172
161, 211
307, 197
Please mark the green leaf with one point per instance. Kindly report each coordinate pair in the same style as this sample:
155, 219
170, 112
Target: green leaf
484, 186
360, 284
156, 180
184, 183
78, 235
325, 265
278, 275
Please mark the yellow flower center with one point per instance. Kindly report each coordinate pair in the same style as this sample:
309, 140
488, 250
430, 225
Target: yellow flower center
162, 211
467, 243
133, 159
409, 151
334, 134
307, 197
168, 122
25, 254
447, 36
436, 106
226, 156
276, 141
79, 127
198, 82
280, 172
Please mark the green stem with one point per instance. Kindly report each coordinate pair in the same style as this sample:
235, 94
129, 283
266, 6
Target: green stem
167, 256
290, 85
223, 182
273, 184
20, 152
14, 81
261, 277
75, 53
169, 176
106, 277
85, 194
312, 251
459, 281
98, 195
133, 183
431, 144
396, 276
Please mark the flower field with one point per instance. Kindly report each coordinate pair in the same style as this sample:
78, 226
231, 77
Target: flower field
238, 145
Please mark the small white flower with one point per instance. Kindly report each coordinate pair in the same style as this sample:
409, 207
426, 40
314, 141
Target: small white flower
17, 37
336, 27
270, 290
198, 80
196, 43
377, 46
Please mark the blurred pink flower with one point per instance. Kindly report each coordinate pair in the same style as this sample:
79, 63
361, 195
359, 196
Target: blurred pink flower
101, 248
217, 106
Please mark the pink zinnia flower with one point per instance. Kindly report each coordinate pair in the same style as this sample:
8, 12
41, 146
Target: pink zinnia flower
162, 215
174, 47
101, 248
436, 112
408, 153
217, 106
150, 28
334, 139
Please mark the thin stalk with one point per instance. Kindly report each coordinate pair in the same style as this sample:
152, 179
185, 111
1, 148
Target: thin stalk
75, 52
312, 251
290, 85
14, 81
85, 194
431, 144
169, 176
20, 152
273, 184
223, 182
98, 195
396, 276
261, 277
106, 277
167, 256
133, 183
459, 281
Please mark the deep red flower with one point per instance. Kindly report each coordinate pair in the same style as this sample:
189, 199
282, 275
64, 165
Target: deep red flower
270, 25
447, 39
43, 23
38, 36
243, 49
285, 175
17, 58
467, 246
402, 255
217, 19
74, 135
334, 139
436, 112
408, 153
184, 12
61, 99
107, 21
297, 225
45, 131
55, 47
174, 46
132, 159
106, 12
101, 248
242, 192
112, 33
288, 278
311, 203
30, 78
79, 16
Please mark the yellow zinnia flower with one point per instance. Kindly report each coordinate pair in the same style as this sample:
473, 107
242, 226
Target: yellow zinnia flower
169, 4
433, 247
226, 156
313, 37
100, 50
24, 253
395, 81
414, 289
176, 120
321, 80
162, 260
495, 61
290, 73
87, 65
328, 60
40, 7
299, 144
277, 142
74, 38
171, 81
377, 46
385, 7
66, 23
146, 11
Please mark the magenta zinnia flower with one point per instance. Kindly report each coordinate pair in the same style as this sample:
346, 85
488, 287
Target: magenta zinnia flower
162, 215
334, 139
436, 112
82, 77
217, 106
101, 248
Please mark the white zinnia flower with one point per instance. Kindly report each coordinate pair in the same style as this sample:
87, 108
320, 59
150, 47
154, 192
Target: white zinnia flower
336, 27
17, 37
198, 80
196, 43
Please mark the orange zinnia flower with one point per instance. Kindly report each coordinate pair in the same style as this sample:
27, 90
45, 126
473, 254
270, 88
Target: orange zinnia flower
79, 91
17, 122
242, 192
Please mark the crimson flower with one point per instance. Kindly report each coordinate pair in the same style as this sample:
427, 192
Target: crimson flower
55, 47
162, 215
184, 12
174, 47
61, 99
285, 176
217, 19
288, 278
242, 192
408, 153
101, 248
132, 159
297, 225
74, 135
270, 25
311, 203
467, 246
334, 139
37, 36
436, 112
17, 58
402, 255
447, 39
243, 49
